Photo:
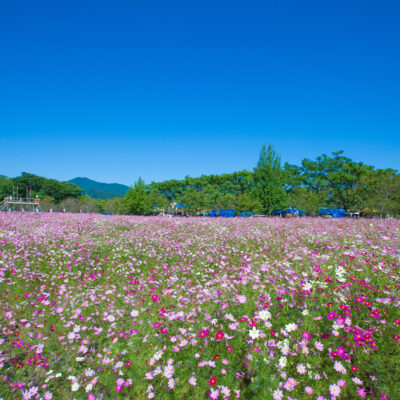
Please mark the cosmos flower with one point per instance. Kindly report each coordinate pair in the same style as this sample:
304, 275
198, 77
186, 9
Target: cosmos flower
301, 369
192, 381
212, 381
254, 333
277, 394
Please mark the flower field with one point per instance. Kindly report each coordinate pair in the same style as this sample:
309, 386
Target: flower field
116, 307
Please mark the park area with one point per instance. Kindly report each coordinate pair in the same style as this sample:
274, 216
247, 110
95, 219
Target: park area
123, 307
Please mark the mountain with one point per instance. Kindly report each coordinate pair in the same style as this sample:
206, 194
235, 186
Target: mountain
99, 190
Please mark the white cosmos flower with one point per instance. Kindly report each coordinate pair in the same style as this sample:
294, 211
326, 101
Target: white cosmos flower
282, 362
254, 333
264, 315
291, 327
134, 313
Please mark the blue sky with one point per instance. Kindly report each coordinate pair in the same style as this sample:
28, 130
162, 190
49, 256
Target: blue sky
163, 89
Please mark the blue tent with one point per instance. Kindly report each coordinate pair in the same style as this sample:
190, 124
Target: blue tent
333, 212
277, 212
225, 213
213, 213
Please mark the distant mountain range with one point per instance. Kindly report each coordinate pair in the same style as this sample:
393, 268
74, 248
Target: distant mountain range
99, 190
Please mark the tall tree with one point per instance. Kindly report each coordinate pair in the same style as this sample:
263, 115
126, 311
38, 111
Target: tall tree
134, 201
268, 186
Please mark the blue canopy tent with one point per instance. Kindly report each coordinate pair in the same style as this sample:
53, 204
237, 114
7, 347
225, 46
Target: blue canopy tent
333, 212
278, 212
227, 213
224, 213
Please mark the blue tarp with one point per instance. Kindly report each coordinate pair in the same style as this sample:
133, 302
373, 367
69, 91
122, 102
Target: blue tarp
334, 212
180, 205
213, 213
225, 213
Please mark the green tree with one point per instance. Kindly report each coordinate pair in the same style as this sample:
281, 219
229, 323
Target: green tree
381, 191
336, 179
306, 200
5, 187
115, 205
155, 202
269, 181
47, 203
247, 202
101, 205
135, 201
59, 191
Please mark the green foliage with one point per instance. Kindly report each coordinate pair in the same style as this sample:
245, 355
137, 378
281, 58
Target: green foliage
268, 186
135, 201
336, 179
306, 200
328, 181
381, 191
5, 187
59, 191
247, 202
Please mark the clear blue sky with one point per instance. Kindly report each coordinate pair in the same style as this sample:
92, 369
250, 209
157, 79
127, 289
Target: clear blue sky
162, 89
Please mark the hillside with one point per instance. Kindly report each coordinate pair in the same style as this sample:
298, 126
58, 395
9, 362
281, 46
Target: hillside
99, 190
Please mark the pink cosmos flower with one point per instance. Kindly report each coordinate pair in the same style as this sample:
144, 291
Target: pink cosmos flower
361, 392
212, 381
341, 383
301, 369
306, 335
308, 390
219, 335
292, 382
278, 394
192, 381
334, 390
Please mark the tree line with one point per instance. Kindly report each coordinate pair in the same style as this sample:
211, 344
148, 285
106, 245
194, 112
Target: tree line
54, 195
329, 181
